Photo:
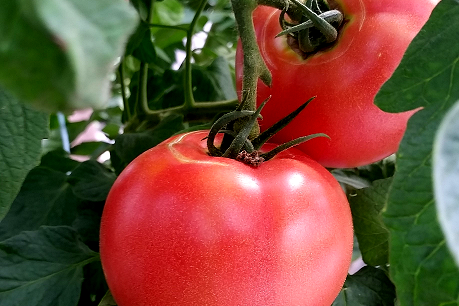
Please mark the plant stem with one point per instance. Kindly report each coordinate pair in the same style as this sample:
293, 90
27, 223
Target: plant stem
254, 65
171, 27
293, 10
123, 90
190, 106
64, 132
143, 72
188, 85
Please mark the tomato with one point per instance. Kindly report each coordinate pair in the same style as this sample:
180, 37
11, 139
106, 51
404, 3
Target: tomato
180, 227
345, 80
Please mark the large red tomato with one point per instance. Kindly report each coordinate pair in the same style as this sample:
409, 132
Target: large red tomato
345, 80
183, 228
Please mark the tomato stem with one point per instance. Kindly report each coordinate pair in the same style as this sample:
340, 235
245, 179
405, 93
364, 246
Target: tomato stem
127, 109
320, 23
188, 86
242, 135
141, 105
292, 9
220, 124
329, 16
254, 65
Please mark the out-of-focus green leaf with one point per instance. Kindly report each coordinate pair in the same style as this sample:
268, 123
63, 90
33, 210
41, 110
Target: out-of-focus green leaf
166, 37
421, 265
94, 286
21, 132
87, 223
45, 199
446, 178
108, 300
58, 54
91, 181
366, 206
214, 83
43, 267
91, 148
129, 145
111, 130
168, 12
368, 287
58, 160
141, 45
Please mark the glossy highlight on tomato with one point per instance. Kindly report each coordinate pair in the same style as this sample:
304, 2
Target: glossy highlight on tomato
180, 227
344, 79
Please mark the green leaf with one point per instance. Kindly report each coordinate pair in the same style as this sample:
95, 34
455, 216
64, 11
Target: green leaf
165, 37
421, 265
214, 82
94, 286
168, 12
58, 54
58, 160
21, 132
43, 267
366, 206
45, 199
91, 148
368, 287
427, 71
108, 300
87, 223
146, 52
446, 178
111, 130
141, 45
91, 181
130, 145
418, 255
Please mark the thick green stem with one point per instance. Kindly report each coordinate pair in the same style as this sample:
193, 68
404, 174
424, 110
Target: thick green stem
254, 65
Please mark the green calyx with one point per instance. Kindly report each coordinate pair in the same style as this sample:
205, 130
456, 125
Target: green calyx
318, 28
237, 145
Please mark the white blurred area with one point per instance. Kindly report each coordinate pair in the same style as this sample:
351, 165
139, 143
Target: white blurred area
199, 39
93, 132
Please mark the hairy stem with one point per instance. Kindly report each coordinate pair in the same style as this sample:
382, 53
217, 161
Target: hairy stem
293, 10
254, 65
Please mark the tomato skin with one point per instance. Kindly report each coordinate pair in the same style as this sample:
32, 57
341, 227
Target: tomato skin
344, 79
182, 228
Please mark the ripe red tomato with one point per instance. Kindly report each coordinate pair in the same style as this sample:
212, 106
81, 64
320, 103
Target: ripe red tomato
182, 228
345, 80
